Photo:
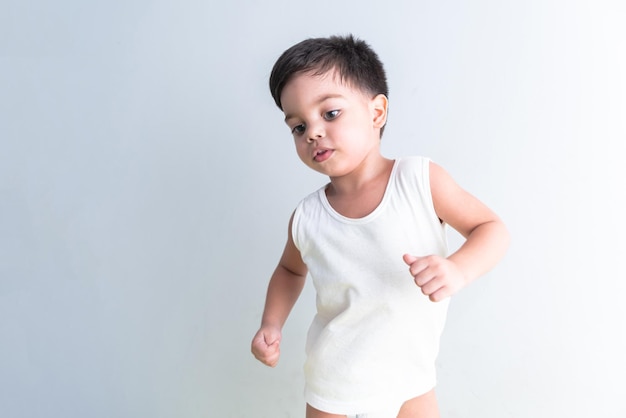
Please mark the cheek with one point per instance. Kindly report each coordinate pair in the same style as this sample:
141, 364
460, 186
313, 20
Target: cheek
302, 150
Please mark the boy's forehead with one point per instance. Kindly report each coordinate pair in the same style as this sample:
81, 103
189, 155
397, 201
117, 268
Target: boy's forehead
315, 76
313, 82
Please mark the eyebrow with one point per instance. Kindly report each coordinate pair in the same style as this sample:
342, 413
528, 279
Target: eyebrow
319, 100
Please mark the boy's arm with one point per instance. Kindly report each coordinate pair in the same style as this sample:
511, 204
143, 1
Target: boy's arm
283, 291
486, 239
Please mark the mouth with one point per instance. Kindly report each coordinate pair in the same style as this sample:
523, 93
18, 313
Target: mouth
322, 155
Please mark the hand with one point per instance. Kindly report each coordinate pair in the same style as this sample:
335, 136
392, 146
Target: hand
266, 345
436, 276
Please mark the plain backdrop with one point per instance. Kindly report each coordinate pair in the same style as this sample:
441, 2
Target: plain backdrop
146, 181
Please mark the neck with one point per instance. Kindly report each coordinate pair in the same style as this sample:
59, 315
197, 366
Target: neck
372, 170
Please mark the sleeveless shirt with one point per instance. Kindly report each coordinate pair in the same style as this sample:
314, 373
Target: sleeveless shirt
375, 337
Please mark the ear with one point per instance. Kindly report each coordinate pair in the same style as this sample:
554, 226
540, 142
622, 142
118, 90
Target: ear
379, 105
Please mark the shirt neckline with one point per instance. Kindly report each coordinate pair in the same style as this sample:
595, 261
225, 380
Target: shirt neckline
370, 216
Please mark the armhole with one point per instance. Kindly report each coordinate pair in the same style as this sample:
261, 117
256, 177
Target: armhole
295, 222
428, 194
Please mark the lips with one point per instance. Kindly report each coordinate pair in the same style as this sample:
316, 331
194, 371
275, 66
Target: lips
322, 155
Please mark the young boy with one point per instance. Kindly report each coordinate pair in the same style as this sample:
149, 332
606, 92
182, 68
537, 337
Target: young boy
373, 240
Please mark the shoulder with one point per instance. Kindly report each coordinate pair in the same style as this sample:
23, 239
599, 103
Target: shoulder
412, 160
413, 171
313, 199
413, 164
426, 169
309, 210
440, 180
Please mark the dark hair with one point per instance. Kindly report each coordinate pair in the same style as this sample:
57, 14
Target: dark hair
354, 60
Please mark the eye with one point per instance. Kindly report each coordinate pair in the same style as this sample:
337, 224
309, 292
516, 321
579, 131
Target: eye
332, 114
298, 129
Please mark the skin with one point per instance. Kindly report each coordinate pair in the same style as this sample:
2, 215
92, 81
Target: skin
336, 131
424, 406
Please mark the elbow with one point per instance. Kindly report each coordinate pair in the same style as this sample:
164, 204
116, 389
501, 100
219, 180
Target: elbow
503, 234
495, 231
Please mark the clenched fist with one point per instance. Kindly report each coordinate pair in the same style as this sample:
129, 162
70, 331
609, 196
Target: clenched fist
266, 345
436, 276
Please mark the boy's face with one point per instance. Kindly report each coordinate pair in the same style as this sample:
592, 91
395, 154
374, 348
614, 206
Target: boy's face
336, 127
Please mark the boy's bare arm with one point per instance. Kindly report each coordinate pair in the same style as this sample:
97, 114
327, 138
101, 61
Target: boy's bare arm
283, 291
486, 239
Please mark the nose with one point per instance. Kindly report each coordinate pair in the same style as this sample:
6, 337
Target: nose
315, 133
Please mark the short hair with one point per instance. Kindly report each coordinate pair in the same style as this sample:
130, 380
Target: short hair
354, 60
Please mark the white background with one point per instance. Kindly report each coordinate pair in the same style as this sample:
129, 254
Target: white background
146, 180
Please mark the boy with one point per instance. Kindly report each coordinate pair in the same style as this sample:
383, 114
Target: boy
373, 240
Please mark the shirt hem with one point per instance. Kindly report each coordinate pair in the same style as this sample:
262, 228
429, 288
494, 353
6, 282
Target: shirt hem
363, 406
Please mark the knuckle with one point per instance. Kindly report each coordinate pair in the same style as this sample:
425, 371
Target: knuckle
434, 260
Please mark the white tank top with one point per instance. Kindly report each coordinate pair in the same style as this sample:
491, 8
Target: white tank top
375, 337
